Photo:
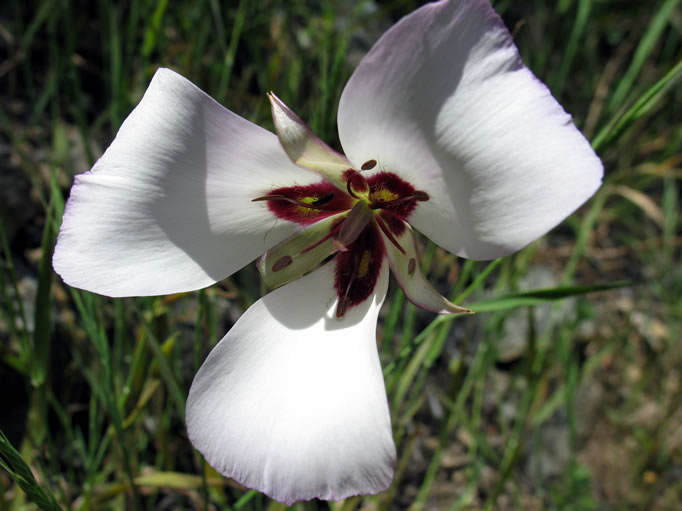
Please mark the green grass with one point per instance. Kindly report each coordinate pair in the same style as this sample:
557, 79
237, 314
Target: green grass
536, 402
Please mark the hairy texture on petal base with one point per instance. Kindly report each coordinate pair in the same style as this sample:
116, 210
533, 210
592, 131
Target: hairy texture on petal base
358, 268
323, 199
386, 187
444, 101
292, 402
168, 208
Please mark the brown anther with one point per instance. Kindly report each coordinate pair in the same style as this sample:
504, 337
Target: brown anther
267, 197
341, 307
323, 200
369, 164
418, 195
282, 263
411, 266
315, 204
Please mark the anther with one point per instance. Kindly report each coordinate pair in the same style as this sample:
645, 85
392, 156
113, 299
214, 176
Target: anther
323, 200
315, 204
418, 195
282, 263
341, 307
369, 164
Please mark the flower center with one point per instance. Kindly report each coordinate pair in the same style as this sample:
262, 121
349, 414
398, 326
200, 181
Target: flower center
368, 207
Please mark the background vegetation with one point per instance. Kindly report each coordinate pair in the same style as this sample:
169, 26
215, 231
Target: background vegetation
531, 404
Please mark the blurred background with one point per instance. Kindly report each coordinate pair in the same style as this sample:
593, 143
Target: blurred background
563, 399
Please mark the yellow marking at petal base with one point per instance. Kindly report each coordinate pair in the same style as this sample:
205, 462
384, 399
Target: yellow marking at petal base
306, 211
363, 267
382, 195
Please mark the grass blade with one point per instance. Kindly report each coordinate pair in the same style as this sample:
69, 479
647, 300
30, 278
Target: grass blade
16, 467
639, 109
540, 296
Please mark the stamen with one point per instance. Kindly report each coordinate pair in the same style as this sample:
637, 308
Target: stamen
323, 239
341, 307
316, 204
389, 234
343, 301
282, 263
369, 164
417, 195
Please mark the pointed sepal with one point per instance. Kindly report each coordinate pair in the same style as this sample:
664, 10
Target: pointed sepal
305, 148
403, 260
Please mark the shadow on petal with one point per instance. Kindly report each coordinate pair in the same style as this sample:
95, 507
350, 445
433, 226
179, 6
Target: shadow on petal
318, 302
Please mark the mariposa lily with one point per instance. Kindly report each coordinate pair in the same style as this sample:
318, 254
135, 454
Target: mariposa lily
443, 129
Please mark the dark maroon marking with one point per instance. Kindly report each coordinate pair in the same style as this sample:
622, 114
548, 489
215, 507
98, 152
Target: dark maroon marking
393, 184
352, 288
392, 222
327, 201
369, 164
282, 263
411, 266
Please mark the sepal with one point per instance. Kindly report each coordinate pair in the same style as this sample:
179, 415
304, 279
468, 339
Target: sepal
407, 272
305, 148
300, 254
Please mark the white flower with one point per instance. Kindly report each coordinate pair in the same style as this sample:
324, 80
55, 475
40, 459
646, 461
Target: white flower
442, 126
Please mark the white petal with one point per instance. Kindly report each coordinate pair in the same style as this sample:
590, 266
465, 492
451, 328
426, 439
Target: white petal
168, 208
292, 401
304, 147
443, 100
